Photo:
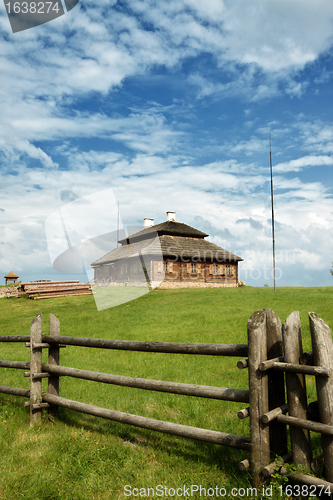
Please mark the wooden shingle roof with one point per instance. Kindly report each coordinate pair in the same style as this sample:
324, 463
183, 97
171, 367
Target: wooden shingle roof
171, 228
172, 239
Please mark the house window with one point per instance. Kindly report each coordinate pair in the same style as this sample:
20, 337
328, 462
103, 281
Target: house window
137, 268
215, 269
228, 270
168, 267
160, 266
193, 267
123, 269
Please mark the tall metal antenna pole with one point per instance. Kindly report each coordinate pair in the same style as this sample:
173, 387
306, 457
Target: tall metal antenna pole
273, 234
118, 226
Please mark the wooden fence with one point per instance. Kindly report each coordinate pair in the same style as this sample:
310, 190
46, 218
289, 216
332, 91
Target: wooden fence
276, 364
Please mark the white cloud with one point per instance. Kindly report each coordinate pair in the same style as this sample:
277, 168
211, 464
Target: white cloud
148, 186
317, 135
300, 163
276, 35
146, 132
95, 49
249, 147
242, 84
99, 47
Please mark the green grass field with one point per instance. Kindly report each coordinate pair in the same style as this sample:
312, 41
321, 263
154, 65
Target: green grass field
80, 457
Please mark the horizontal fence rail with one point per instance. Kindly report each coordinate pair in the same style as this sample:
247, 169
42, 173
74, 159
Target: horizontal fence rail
186, 431
306, 424
276, 369
163, 347
14, 364
21, 365
203, 391
15, 391
14, 338
307, 370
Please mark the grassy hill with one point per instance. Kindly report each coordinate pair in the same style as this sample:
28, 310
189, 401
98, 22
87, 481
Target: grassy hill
80, 457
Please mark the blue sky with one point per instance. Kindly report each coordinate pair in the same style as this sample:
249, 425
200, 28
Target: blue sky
170, 104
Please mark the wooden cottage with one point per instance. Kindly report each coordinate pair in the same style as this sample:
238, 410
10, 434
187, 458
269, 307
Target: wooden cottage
170, 254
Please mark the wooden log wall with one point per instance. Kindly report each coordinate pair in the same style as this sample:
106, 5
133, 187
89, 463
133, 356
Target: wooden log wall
130, 270
169, 270
203, 272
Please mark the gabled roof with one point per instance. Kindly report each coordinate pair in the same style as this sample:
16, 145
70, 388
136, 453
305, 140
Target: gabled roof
171, 228
144, 247
174, 247
191, 248
11, 275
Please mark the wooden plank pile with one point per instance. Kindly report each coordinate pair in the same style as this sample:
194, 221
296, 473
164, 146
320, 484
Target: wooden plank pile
50, 289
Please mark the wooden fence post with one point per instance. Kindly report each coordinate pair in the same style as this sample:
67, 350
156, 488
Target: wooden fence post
35, 368
296, 390
322, 348
258, 385
276, 393
53, 381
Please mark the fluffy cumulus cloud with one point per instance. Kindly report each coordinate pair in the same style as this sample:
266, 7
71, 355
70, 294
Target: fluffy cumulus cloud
278, 35
80, 112
232, 212
100, 46
269, 38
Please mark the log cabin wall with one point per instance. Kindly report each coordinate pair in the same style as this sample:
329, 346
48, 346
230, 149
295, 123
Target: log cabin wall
130, 270
102, 272
205, 272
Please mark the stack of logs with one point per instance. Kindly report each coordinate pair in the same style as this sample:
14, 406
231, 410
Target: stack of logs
50, 289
